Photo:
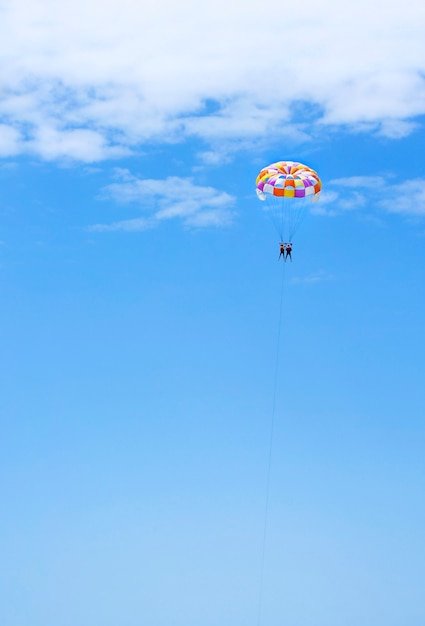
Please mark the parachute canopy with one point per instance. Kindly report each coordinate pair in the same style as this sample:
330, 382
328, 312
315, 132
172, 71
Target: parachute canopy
288, 179
285, 186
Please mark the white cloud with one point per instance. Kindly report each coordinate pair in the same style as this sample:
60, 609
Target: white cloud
129, 71
79, 144
407, 198
10, 140
397, 129
171, 198
356, 192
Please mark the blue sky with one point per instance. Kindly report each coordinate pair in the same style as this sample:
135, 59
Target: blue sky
140, 306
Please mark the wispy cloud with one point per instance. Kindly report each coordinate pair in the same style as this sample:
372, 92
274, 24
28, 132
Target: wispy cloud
128, 226
362, 182
407, 198
72, 89
356, 192
317, 277
164, 199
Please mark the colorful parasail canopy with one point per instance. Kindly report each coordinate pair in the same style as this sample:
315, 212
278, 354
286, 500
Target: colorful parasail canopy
288, 179
284, 188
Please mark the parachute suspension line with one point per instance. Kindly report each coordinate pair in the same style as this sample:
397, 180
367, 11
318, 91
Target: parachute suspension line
275, 214
270, 454
286, 215
283, 222
300, 217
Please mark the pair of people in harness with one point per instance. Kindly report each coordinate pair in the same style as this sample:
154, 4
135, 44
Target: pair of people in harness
285, 250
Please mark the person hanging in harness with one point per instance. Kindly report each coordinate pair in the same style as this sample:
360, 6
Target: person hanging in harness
288, 250
282, 250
